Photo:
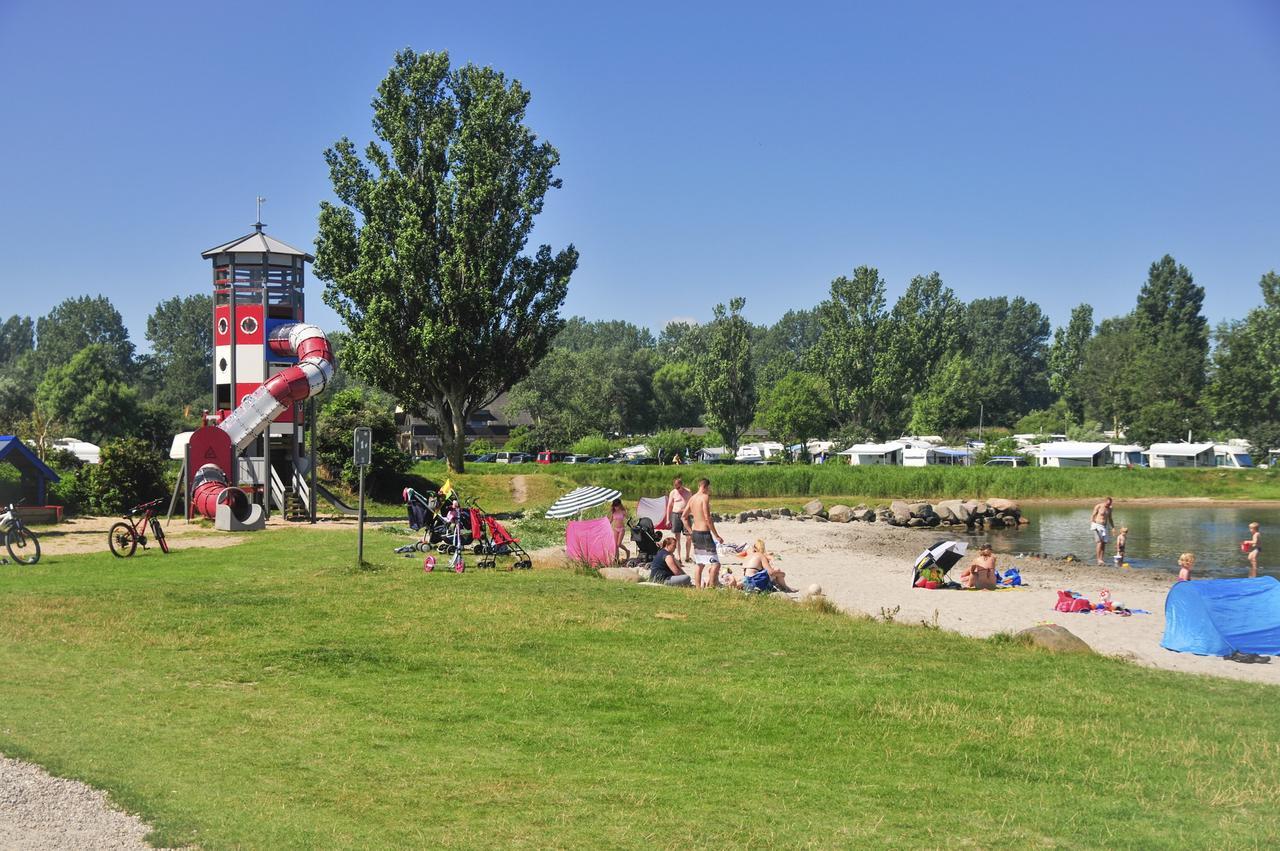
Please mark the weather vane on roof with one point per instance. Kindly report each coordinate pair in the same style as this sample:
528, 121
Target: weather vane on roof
258, 224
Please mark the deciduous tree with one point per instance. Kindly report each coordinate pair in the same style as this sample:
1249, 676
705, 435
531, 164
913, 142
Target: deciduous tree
425, 253
725, 375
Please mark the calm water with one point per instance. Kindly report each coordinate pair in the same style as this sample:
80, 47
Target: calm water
1156, 536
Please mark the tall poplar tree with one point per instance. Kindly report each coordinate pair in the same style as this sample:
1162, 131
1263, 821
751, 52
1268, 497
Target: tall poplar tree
724, 372
425, 253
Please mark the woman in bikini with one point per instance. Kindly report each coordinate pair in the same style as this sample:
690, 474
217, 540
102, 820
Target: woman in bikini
618, 520
981, 572
758, 559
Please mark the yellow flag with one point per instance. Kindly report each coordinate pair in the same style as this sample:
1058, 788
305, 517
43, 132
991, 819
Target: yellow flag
447, 488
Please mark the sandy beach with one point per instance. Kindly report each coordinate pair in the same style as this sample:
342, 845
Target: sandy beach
866, 568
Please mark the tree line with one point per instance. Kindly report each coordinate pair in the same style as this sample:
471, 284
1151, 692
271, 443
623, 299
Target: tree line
856, 368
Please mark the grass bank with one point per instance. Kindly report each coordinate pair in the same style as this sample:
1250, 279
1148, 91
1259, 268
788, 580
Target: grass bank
882, 482
269, 695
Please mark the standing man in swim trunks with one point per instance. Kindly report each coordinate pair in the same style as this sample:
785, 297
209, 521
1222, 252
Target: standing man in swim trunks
1099, 522
676, 501
697, 515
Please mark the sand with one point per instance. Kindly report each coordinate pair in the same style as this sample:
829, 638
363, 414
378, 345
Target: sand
866, 569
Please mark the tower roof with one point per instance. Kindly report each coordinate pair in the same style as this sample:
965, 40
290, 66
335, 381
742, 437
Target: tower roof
256, 243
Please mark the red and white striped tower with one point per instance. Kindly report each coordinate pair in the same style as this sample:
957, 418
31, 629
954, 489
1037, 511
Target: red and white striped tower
266, 363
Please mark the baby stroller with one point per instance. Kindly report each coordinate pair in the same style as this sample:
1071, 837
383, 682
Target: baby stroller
444, 532
647, 540
490, 539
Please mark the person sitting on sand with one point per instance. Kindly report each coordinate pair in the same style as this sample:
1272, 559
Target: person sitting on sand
664, 568
1186, 561
981, 572
758, 559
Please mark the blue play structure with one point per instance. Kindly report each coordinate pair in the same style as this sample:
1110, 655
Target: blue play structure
36, 475
1214, 617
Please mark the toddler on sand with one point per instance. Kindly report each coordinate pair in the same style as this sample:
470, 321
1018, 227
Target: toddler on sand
1186, 561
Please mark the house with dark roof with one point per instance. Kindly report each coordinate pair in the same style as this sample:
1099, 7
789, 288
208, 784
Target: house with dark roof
420, 438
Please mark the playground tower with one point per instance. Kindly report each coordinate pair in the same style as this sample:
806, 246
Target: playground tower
267, 366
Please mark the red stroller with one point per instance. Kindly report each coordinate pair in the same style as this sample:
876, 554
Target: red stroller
490, 540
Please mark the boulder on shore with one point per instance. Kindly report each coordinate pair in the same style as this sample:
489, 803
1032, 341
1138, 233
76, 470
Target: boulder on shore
840, 514
813, 507
954, 509
1059, 639
1003, 506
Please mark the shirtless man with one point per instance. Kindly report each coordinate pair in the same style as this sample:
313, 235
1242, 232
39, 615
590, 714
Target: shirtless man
1099, 522
676, 501
697, 516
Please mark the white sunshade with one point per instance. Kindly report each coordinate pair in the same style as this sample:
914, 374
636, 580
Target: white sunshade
1179, 449
1070, 449
579, 500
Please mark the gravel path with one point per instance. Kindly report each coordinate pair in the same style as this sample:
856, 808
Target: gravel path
39, 811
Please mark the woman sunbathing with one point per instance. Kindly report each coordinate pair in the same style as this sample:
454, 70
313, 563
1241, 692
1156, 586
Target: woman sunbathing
757, 559
981, 572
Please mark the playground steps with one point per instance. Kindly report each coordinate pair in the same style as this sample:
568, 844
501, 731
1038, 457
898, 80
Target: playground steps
295, 508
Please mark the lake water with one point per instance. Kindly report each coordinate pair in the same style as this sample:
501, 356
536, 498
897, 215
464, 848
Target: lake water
1157, 536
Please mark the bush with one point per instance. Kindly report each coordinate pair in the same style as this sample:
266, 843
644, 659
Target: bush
130, 472
666, 444
481, 446
335, 427
595, 445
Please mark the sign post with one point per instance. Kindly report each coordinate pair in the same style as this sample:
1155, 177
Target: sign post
362, 454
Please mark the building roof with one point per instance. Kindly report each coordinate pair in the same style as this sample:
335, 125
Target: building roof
256, 243
16, 453
1186, 450
1072, 449
872, 448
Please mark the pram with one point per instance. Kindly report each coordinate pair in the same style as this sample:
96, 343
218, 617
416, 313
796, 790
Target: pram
647, 540
445, 532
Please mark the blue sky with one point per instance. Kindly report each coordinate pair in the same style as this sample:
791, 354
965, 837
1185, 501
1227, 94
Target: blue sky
1045, 150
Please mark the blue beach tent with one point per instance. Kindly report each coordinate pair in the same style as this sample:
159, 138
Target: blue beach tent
1213, 617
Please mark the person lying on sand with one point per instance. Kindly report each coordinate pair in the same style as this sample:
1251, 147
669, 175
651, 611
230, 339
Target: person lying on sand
758, 559
981, 572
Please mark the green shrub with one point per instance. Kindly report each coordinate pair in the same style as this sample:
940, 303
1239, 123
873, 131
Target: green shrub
595, 445
335, 427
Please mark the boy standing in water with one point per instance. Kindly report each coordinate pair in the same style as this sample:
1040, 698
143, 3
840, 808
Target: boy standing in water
1122, 535
1255, 546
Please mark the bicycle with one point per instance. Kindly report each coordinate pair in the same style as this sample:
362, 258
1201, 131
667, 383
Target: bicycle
23, 544
125, 536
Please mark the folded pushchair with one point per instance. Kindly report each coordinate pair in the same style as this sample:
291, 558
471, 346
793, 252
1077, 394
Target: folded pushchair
443, 532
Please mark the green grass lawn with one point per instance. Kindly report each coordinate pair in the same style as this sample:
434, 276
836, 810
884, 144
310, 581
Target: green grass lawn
270, 695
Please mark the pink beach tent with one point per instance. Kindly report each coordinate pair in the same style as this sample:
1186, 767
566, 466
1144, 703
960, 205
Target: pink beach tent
590, 541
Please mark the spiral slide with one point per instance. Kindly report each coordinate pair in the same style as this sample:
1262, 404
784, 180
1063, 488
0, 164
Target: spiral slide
295, 384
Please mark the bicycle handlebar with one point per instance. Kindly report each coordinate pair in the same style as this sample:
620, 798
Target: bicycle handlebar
138, 509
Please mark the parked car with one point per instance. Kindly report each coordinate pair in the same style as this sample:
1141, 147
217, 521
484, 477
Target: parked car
470, 457
577, 459
513, 458
546, 456
641, 462
596, 460
1006, 461
487, 458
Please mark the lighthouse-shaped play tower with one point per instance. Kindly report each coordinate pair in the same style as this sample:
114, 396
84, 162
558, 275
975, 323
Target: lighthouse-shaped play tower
267, 362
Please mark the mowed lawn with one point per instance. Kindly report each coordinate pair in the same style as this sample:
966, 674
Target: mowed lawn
270, 695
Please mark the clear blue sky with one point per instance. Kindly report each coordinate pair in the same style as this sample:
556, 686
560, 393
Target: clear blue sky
1047, 150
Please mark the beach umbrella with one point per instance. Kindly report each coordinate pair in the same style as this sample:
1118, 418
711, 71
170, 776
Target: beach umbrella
944, 554
579, 500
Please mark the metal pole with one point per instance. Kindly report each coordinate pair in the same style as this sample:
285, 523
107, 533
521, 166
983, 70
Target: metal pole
311, 456
360, 525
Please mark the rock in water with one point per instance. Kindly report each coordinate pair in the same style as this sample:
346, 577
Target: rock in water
1059, 639
1004, 506
840, 514
813, 507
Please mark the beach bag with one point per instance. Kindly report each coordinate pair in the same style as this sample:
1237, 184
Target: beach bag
1068, 602
758, 582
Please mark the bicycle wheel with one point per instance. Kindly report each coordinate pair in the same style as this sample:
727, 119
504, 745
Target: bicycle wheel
158, 531
23, 546
122, 540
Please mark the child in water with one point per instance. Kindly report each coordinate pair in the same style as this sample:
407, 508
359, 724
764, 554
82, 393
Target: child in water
1255, 547
1121, 537
1186, 561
